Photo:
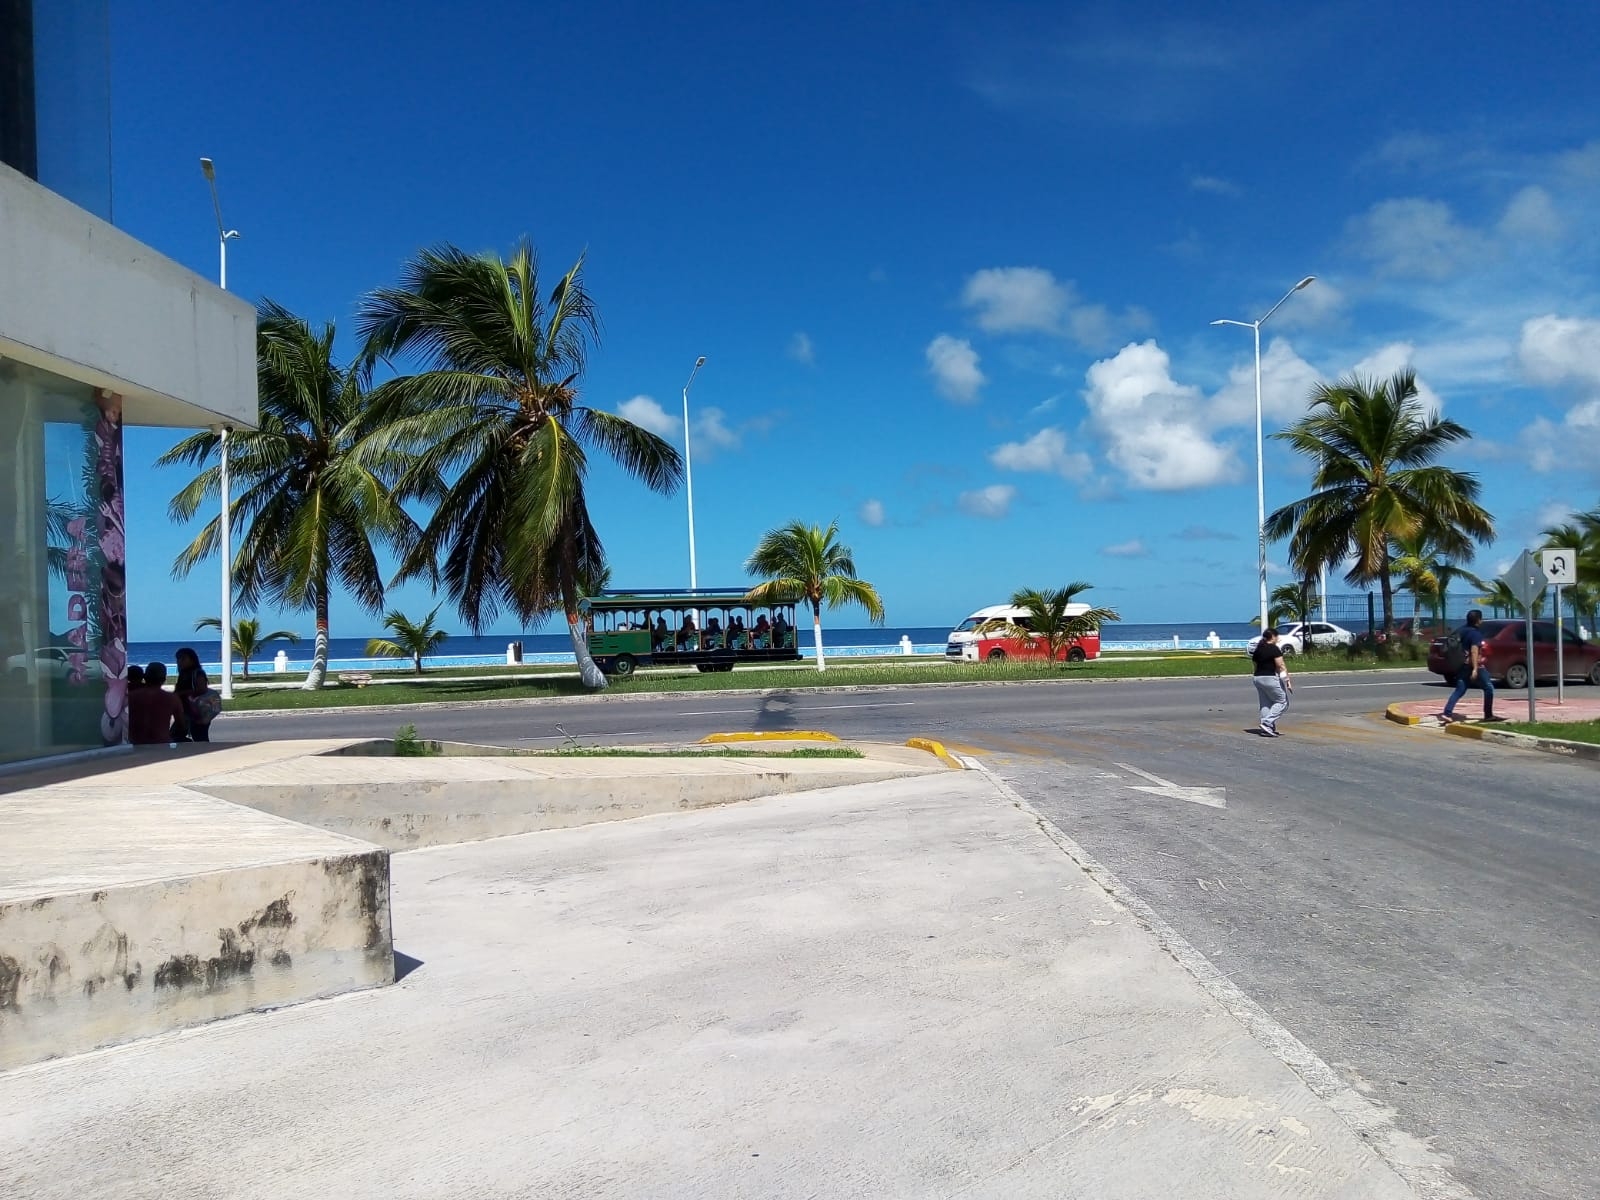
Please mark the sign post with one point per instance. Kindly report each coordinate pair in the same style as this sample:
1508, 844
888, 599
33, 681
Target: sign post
1561, 570
1526, 579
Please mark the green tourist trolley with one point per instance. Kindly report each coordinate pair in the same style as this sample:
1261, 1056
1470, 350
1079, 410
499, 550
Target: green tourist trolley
714, 629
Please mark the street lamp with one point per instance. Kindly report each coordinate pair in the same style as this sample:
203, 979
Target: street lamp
688, 469
1261, 479
224, 236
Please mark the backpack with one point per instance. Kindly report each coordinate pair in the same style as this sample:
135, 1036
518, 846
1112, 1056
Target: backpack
1455, 654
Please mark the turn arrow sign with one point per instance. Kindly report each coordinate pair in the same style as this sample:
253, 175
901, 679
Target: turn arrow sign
1212, 797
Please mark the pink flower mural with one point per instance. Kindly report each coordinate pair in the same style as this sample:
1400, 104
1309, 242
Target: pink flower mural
112, 536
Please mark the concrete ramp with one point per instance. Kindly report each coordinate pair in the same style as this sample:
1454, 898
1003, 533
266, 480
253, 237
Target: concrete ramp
410, 803
130, 907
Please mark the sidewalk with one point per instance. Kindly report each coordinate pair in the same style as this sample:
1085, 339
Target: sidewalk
1582, 704
901, 989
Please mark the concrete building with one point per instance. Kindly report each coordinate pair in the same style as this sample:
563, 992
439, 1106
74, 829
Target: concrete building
96, 331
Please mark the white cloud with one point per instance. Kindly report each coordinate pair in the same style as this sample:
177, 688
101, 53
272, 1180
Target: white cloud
1414, 238
1044, 451
1016, 300
991, 503
644, 412
711, 431
1032, 300
1151, 423
1561, 350
1215, 185
1319, 304
802, 350
1133, 549
1286, 383
1386, 361
871, 513
953, 363
1532, 215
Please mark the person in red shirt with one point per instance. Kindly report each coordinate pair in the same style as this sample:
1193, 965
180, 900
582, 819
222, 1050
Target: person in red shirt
155, 715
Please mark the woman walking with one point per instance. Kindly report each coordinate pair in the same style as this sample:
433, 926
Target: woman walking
1271, 677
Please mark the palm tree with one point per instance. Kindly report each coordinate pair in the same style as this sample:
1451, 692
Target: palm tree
413, 639
1422, 569
807, 562
1374, 448
1581, 532
248, 640
1048, 617
1290, 602
313, 486
1497, 594
495, 411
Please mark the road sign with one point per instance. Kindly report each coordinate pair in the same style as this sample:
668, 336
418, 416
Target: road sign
1560, 567
1526, 579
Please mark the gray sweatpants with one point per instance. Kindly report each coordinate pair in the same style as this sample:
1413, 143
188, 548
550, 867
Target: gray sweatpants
1272, 696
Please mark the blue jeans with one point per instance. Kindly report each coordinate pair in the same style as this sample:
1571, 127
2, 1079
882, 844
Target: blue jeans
1463, 682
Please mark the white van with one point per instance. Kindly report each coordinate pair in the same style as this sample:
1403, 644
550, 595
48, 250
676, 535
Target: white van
962, 645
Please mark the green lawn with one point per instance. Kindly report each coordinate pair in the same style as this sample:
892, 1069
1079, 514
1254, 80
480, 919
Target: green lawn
443, 690
1567, 731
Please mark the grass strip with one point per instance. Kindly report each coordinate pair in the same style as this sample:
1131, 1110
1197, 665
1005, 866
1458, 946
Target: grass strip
447, 691
1566, 731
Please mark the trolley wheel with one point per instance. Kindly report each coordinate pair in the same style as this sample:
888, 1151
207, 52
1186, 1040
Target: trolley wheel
623, 665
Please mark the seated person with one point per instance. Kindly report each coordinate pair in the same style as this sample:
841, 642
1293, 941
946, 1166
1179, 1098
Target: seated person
763, 632
689, 634
780, 631
737, 634
662, 636
713, 633
155, 715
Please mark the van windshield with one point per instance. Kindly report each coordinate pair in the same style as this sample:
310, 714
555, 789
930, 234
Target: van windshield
967, 626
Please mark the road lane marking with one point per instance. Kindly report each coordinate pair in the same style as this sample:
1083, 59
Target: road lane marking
1211, 797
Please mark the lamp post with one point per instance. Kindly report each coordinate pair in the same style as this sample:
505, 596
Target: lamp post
1261, 478
225, 519
688, 468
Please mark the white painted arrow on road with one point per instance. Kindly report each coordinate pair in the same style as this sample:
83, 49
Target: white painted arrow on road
1209, 796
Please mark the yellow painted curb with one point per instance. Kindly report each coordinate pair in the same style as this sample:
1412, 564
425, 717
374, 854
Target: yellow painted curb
788, 735
1475, 732
1400, 718
938, 751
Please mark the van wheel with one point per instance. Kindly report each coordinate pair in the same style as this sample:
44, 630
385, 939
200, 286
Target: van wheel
997, 655
1076, 654
1517, 676
623, 665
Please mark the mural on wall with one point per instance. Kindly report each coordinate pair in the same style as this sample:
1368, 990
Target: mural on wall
111, 534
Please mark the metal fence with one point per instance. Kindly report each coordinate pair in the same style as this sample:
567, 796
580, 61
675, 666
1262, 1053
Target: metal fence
1364, 610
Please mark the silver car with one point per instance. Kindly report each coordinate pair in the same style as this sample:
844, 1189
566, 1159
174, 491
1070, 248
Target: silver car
1292, 636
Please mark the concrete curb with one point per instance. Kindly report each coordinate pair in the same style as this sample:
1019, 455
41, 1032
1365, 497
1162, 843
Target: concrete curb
1587, 751
826, 689
787, 735
938, 751
1394, 714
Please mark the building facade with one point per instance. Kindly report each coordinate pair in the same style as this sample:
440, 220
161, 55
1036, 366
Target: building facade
97, 331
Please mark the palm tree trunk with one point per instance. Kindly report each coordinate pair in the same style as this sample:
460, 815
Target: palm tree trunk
816, 633
319, 657
416, 661
1387, 584
591, 675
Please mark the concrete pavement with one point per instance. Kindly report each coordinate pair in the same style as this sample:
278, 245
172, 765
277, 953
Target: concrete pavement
899, 989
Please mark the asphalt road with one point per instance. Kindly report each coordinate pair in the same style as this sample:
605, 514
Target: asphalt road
1421, 910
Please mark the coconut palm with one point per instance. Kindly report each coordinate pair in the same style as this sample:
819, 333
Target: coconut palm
1581, 532
1421, 568
807, 562
495, 411
1049, 620
313, 486
412, 639
248, 640
1374, 448
1497, 594
1290, 602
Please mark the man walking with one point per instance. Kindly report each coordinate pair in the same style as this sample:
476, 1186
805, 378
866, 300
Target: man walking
1470, 663
1271, 677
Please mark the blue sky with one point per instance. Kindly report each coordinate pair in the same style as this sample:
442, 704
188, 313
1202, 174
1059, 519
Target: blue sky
953, 266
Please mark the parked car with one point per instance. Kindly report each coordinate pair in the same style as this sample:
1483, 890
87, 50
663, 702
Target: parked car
1292, 637
1506, 644
50, 662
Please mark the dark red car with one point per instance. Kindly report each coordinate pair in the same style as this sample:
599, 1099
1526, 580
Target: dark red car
1506, 642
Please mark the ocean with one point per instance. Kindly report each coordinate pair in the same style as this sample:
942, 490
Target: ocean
464, 650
